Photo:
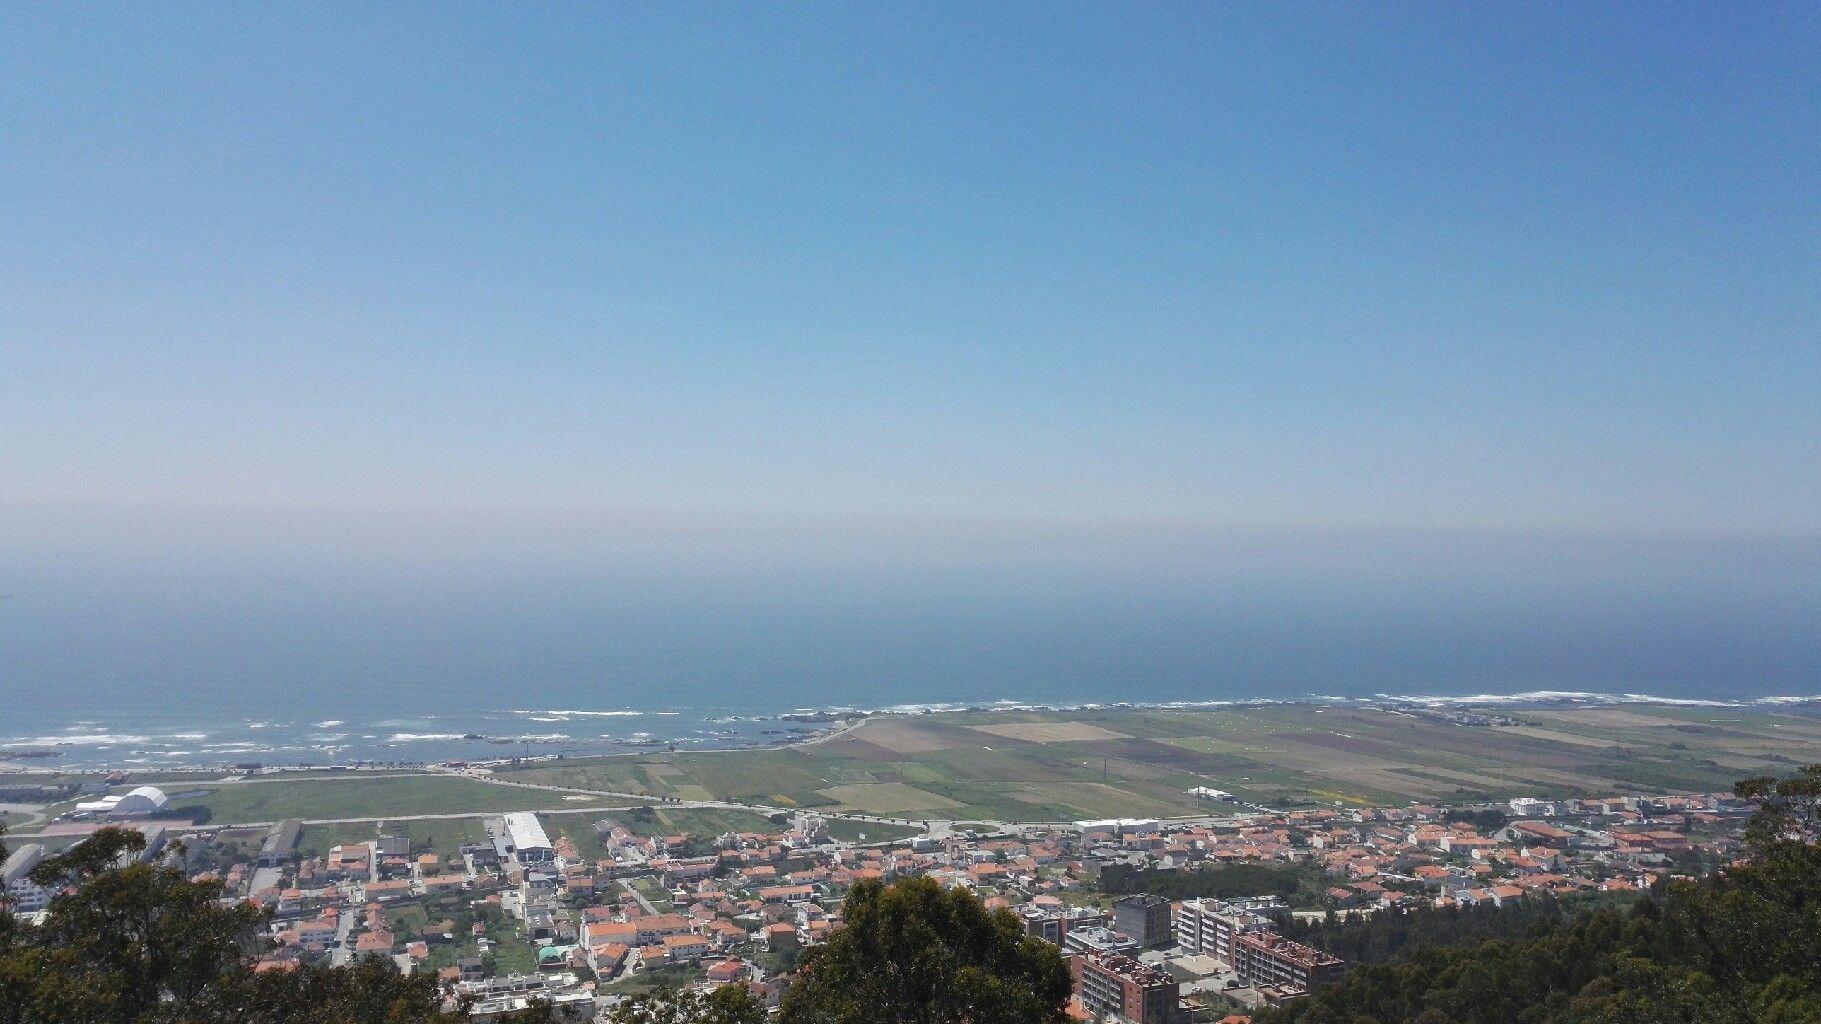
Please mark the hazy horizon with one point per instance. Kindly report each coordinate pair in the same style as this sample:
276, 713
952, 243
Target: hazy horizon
428, 352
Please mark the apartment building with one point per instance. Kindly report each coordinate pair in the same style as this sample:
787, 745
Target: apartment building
1265, 958
1209, 926
1145, 918
1114, 983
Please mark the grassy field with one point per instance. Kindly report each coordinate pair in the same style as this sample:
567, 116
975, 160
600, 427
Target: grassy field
443, 837
1063, 766
237, 802
668, 978
655, 893
1027, 766
663, 821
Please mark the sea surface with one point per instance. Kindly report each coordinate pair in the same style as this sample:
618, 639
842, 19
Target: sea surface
182, 661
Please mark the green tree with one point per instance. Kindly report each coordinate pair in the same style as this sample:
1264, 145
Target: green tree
141, 944
1789, 809
368, 991
916, 953
1741, 946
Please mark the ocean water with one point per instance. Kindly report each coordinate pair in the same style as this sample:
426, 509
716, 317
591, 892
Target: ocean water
190, 660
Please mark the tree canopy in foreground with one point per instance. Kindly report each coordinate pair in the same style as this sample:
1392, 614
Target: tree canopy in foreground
916, 953
142, 944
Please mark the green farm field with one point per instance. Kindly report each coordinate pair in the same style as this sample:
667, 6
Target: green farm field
1050, 766
1054, 766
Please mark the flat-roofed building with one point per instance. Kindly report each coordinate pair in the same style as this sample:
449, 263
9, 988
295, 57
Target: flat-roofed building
1097, 939
1145, 918
1209, 926
279, 844
1267, 958
521, 837
1052, 924
1114, 983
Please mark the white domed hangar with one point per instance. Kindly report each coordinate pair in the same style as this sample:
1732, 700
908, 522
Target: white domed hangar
136, 803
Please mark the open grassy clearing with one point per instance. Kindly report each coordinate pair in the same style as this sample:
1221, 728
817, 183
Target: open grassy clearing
702, 821
654, 892
443, 837
1051, 732
888, 798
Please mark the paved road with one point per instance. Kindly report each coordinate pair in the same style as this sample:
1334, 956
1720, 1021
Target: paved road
344, 926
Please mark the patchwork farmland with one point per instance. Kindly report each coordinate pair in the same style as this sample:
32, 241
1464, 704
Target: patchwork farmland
1048, 766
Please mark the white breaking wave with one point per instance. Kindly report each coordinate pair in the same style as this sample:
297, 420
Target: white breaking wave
559, 713
93, 739
1580, 697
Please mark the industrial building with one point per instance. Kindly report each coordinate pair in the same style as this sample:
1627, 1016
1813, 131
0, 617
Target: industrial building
519, 836
137, 803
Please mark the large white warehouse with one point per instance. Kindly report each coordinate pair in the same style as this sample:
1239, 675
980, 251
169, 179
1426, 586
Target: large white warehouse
135, 803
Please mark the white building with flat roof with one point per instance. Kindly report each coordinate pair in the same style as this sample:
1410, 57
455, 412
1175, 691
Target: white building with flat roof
522, 837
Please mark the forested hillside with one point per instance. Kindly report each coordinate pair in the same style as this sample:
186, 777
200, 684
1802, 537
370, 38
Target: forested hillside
1740, 947
1381, 937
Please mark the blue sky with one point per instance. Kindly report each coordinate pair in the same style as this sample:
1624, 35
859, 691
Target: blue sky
1414, 268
